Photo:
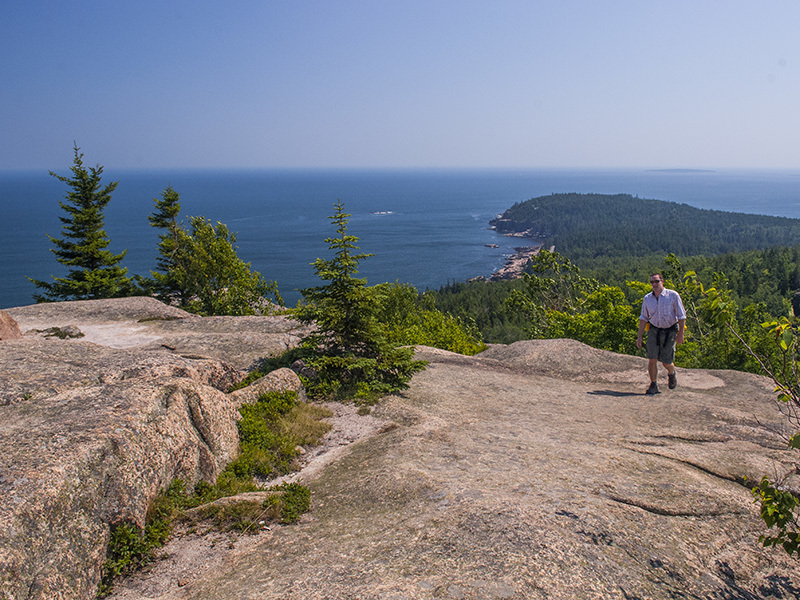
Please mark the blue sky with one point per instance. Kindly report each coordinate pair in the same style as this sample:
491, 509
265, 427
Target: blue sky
305, 83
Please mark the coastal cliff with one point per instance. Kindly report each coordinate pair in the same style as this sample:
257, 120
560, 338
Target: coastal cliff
534, 470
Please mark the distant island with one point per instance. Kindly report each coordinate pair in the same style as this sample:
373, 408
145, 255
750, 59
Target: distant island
679, 171
594, 225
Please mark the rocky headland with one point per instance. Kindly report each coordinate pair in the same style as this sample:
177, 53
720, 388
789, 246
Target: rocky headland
534, 470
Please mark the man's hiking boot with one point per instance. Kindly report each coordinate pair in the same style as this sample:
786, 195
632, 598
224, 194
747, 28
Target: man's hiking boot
673, 381
653, 389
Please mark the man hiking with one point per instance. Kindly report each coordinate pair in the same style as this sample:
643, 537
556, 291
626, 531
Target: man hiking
663, 310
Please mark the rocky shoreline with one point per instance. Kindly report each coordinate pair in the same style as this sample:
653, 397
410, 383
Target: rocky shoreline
515, 265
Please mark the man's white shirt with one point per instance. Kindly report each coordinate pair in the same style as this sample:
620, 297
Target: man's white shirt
663, 310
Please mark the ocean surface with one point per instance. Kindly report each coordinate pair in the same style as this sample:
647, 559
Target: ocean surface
425, 227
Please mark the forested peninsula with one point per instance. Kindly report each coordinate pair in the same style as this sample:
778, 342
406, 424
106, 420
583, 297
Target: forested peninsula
592, 225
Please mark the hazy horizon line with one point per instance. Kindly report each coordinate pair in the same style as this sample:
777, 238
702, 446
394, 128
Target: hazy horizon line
376, 169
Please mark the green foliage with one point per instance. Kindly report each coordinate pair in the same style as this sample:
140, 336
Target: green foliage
349, 354
286, 505
411, 319
604, 320
127, 551
484, 304
759, 281
269, 433
213, 277
554, 289
344, 310
166, 282
293, 501
94, 271
199, 268
242, 517
130, 547
779, 511
266, 448
776, 354
716, 323
558, 302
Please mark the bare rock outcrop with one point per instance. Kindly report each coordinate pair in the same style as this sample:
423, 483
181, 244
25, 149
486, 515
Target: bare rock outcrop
538, 470
147, 324
93, 428
76, 462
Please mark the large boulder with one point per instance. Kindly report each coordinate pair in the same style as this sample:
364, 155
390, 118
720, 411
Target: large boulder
76, 462
92, 428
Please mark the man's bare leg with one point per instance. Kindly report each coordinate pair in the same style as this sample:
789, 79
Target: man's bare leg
652, 369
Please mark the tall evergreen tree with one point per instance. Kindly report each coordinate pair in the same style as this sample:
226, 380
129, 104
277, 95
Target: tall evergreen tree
349, 353
94, 271
345, 310
168, 284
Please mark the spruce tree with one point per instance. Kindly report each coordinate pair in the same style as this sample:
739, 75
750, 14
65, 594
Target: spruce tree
349, 353
345, 310
94, 271
168, 284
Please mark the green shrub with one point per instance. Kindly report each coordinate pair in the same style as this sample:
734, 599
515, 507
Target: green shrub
130, 547
411, 319
292, 503
267, 446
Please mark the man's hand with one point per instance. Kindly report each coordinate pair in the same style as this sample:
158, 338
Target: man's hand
639, 342
679, 338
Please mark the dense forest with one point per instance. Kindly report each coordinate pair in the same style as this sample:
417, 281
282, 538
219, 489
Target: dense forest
769, 276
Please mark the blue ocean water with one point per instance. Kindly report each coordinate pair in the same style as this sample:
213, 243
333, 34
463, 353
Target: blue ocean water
426, 227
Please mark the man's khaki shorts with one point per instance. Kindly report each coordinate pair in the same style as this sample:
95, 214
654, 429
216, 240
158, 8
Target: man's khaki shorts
665, 353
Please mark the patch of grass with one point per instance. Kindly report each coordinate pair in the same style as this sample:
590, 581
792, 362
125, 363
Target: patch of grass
304, 423
227, 485
270, 432
286, 505
243, 516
